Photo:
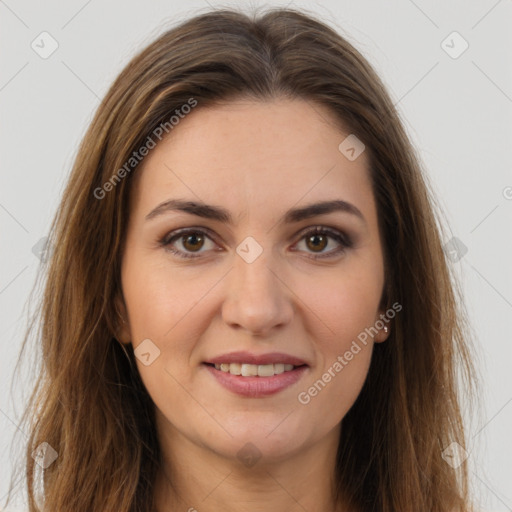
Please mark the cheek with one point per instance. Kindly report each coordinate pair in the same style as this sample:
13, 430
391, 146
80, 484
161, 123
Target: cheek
158, 299
172, 308
342, 304
344, 349
333, 389
342, 308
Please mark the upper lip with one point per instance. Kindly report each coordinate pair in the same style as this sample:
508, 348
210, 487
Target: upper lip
259, 359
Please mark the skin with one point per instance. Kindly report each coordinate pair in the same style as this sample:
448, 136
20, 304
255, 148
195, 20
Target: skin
256, 159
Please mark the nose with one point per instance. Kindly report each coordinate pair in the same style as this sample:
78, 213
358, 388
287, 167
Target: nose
257, 298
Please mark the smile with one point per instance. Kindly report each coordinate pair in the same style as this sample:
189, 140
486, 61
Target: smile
253, 370
255, 381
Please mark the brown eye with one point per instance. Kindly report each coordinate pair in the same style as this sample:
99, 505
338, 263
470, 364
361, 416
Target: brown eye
188, 242
317, 242
193, 242
319, 238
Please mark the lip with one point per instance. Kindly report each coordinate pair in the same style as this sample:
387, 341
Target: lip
256, 387
250, 358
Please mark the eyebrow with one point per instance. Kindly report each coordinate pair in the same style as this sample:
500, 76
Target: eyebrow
220, 214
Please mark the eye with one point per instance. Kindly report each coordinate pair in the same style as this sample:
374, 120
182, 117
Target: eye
317, 239
192, 240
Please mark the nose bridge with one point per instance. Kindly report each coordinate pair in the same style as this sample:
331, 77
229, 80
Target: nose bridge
256, 299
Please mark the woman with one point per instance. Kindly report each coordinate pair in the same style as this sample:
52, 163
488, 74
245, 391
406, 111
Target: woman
248, 305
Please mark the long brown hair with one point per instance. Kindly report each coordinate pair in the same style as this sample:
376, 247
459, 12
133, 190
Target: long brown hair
89, 403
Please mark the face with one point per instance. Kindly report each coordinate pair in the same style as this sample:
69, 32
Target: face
249, 274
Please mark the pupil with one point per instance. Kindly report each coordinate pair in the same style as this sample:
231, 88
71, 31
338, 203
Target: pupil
195, 239
316, 237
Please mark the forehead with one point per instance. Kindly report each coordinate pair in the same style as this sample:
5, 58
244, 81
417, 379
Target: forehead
253, 155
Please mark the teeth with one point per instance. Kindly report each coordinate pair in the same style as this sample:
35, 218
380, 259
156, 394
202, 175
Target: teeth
249, 370
253, 370
279, 368
234, 368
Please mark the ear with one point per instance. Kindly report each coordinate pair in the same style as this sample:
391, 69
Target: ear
123, 333
384, 326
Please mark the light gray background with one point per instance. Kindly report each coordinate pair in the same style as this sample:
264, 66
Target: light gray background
458, 113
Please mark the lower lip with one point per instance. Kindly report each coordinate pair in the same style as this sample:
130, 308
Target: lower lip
255, 387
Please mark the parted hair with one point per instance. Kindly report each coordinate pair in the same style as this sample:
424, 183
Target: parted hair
89, 403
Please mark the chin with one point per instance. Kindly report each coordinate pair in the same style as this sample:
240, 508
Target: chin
270, 441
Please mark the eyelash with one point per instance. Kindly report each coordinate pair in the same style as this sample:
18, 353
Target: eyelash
344, 241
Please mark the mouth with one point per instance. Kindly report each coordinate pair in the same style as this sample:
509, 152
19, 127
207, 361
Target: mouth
255, 370
255, 381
